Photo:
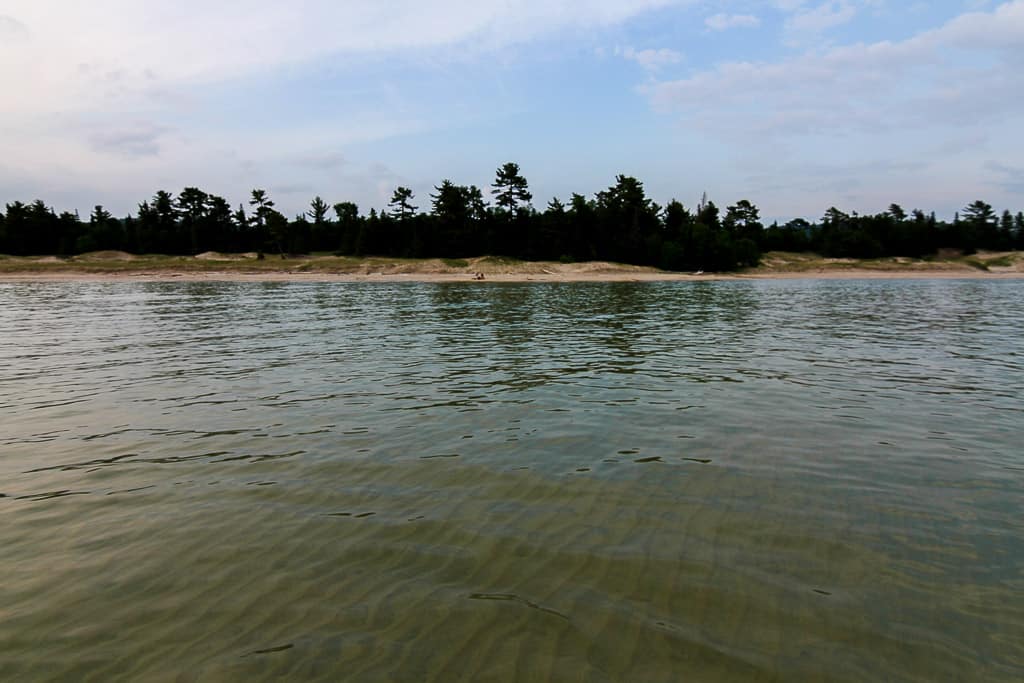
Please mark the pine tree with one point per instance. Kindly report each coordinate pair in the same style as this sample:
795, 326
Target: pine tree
510, 188
318, 211
401, 208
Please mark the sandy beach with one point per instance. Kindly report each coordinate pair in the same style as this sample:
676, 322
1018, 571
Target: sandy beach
211, 267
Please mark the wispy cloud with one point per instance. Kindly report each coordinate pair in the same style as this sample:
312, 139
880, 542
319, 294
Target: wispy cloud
195, 40
306, 189
323, 161
1010, 178
867, 87
115, 98
652, 59
139, 140
821, 17
868, 103
788, 5
12, 31
723, 22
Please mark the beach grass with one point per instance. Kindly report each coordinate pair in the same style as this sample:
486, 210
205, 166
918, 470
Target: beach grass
249, 266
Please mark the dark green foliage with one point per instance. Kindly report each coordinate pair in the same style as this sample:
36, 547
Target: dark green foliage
350, 232
401, 206
793, 236
457, 211
318, 211
743, 221
1005, 235
977, 228
619, 224
104, 232
261, 206
192, 207
513, 229
510, 189
628, 224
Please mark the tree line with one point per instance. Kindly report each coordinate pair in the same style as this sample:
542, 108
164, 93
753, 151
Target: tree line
620, 223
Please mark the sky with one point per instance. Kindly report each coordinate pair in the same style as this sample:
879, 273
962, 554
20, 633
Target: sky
796, 105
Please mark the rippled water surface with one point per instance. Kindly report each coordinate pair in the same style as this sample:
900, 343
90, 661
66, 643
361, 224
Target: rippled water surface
571, 482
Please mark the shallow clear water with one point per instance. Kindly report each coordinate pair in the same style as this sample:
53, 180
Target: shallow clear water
790, 480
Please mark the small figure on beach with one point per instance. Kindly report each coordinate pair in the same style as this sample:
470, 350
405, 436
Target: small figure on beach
478, 276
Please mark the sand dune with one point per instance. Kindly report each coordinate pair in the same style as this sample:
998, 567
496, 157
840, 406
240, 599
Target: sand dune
214, 266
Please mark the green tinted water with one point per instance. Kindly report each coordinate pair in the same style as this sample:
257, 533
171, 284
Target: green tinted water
576, 482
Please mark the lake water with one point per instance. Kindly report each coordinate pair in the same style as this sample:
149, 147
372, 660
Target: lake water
784, 480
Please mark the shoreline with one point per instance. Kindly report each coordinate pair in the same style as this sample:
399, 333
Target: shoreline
112, 266
423, 277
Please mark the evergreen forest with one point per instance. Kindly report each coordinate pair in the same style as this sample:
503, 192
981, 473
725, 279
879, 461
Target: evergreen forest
620, 223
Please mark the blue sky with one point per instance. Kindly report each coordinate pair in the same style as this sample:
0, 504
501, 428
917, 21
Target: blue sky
797, 105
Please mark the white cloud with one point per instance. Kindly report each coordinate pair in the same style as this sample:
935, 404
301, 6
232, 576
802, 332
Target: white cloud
825, 16
722, 22
120, 96
806, 24
788, 5
867, 86
80, 54
12, 31
652, 59
117, 97
881, 99
1011, 178
130, 140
